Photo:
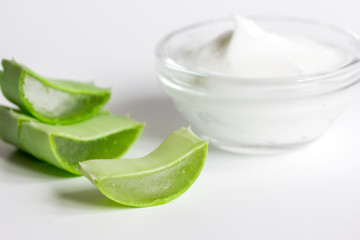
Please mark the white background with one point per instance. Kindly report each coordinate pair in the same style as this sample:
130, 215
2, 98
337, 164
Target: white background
312, 193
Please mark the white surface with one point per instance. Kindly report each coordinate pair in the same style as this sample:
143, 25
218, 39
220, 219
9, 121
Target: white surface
312, 193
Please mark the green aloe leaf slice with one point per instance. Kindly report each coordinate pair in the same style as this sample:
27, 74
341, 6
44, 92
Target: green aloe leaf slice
51, 101
155, 179
104, 136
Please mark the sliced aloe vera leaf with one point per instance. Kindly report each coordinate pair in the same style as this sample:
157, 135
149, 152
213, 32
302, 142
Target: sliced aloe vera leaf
102, 136
10, 120
51, 101
155, 179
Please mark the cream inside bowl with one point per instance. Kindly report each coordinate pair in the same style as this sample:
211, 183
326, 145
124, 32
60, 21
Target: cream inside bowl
261, 85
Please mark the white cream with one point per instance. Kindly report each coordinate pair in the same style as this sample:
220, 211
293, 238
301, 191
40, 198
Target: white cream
250, 51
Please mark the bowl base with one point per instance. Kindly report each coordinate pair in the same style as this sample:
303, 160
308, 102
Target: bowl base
257, 149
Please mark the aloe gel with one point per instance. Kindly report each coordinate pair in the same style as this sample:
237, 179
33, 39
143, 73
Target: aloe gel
103, 136
49, 100
155, 179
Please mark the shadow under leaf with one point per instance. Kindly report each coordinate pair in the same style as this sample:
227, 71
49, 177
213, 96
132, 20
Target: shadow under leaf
24, 164
89, 197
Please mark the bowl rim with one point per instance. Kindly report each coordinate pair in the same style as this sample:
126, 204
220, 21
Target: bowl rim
283, 80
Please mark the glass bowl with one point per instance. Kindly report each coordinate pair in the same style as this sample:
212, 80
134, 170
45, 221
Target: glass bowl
259, 115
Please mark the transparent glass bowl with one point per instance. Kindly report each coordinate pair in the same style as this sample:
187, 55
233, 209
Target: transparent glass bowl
259, 115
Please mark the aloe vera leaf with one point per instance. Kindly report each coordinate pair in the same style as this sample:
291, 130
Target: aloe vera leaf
155, 179
102, 136
51, 101
10, 120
